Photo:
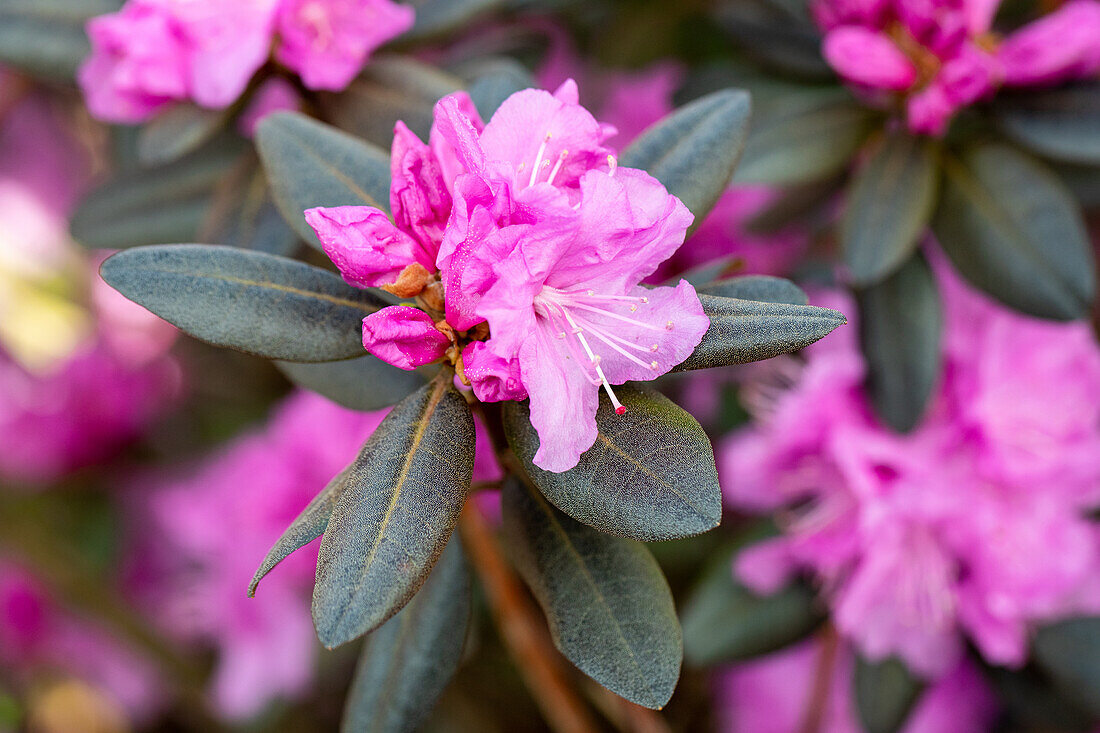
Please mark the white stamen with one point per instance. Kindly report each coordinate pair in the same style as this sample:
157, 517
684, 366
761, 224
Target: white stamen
668, 326
619, 409
613, 164
653, 348
538, 160
557, 166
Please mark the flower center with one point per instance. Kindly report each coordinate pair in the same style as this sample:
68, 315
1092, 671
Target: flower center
571, 313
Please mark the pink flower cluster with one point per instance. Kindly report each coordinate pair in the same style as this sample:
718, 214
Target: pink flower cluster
525, 244
942, 54
974, 525
155, 52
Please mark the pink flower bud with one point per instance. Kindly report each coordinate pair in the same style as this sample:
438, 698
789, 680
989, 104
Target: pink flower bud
1064, 45
868, 58
403, 336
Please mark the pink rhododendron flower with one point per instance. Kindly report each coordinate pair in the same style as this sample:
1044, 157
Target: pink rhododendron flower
972, 525
772, 695
941, 56
403, 336
364, 245
327, 41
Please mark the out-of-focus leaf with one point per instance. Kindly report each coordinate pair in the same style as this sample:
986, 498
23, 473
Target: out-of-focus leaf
746, 330
694, 150
365, 384
1062, 123
391, 88
900, 322
1013, 230
1069, 651
725, 622
491, 81
763, 288
243, 214
608, 606
649, 476
46, 37
254, 302
309, 164
178, 131
438, 17
155, 205
889, 204
306, 527
399, 506
1030, 703
779, 37
409, 660
885, 694
798, 205
801, 137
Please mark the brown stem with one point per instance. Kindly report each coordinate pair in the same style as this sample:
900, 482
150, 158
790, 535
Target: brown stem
522, 629
822, 681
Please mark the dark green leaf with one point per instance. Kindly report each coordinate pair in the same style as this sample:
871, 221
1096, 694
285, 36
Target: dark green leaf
155, 205
365, 384
309, 164
1062, 123
784, 41
649, 476
491, 81
398, 509
900, 322
608, 606
306, 527
885, 694
694, 150
802, 137
888, 206
1069, 652
1013, 230
764, 288
746, 330
408, 661
243, 214
438, 17
258, 303
725, 622
178, 131
1032, 704
46, 37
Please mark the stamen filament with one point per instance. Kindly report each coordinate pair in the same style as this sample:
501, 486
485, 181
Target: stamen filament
557, 166
538, 161
619, 409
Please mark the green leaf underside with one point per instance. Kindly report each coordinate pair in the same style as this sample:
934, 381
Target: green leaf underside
900, 324
745, 330
399, 506
763, 288
885, 694
694, 151
47, 37
1013, 230
608, 606
366, 383
649, 476
1062, 123
725, 622
306, 527
310, 164
258, 303
889, 204
1069, 653
408, 661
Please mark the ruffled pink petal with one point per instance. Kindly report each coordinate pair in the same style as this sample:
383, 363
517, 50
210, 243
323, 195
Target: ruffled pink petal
328, 41
494, 378
419, 199
364, 245
1061, 46
403, 336
868, 58
454, 137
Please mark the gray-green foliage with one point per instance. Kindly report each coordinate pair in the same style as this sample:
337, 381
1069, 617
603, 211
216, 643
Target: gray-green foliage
885, 693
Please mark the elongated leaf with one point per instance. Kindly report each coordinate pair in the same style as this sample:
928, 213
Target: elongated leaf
725, 622
258, 303
491, 81
1069, 652
746, 330
436, 17
889, 204
900, 325
157, 205
309, 164
46, 37
608, 606
1062, 123
1013, 230
885, 694
408, 661
694, 150
802, 137
306, 527
243, 214
649, 476
177, 131
1031, 703
784, 41
366, 383
764, 288
400, 505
